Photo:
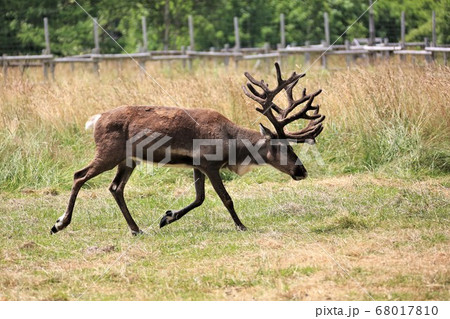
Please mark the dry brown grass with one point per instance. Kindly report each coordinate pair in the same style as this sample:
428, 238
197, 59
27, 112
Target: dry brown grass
358, 98
271, 262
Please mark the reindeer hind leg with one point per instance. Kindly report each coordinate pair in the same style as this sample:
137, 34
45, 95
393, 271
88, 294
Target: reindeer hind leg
95, 168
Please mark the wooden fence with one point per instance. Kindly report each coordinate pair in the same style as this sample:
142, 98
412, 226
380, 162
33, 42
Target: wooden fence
47, 61
369, 49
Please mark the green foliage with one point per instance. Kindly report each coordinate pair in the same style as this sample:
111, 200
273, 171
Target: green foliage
71, 30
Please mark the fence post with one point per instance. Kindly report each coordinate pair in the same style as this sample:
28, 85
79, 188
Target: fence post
189, 62
96, 39
226, 60
307, 55
266, 49
45, 64
433, 22
183, 52
326, 28
96, 49
387, 53
371, 25
47, 36
324, 56
402, 35
4, 67
428, 58
348, 58
144, 47
213, 49
144, 35
191, 33
372, 54
433, 33
237, 45
403, 30
282, 33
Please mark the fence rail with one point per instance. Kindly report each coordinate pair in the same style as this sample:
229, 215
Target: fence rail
47, 61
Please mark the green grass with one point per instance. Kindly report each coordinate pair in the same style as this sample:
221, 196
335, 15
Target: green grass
295, 247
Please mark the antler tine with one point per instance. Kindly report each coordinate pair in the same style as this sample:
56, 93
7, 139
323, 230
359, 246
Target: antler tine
291, 102
255, 92
261, 98
303, 112
286, 85
304, 135
311, 131
261, 83
254, 97
258, 97
266, 102
290, 99
279, 78
289, 89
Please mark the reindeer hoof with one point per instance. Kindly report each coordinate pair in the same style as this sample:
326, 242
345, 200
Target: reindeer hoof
167, 219
241, 228
136, 233
53, 230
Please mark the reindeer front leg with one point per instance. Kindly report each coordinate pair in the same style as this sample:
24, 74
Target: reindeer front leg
217, 183
171, 216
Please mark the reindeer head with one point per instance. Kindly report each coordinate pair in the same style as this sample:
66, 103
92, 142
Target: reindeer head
279, 153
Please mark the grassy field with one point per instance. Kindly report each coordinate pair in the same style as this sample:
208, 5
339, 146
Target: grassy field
371, 223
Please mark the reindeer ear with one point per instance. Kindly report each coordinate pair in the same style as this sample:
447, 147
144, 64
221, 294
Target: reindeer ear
266, 132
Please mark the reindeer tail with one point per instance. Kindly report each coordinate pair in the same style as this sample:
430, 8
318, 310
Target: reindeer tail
90, 124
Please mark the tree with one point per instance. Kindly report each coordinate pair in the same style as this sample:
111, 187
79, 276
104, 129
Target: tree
71, 30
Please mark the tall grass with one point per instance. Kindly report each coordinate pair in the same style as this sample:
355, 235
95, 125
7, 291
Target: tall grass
390, 118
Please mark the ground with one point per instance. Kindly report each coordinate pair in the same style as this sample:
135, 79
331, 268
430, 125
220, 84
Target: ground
349, 237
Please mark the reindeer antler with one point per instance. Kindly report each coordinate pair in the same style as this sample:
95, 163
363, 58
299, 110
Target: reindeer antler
265, 98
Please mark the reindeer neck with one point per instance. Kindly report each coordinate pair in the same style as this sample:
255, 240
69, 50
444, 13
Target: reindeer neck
243, 137
242, 133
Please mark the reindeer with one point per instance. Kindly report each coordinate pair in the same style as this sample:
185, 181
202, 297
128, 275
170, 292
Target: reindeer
240, 148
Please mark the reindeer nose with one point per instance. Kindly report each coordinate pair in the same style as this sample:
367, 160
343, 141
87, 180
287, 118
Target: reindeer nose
300, 173
299, 178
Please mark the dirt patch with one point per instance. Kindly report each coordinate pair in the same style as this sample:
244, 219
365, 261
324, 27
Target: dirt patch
29, 245
95, 250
